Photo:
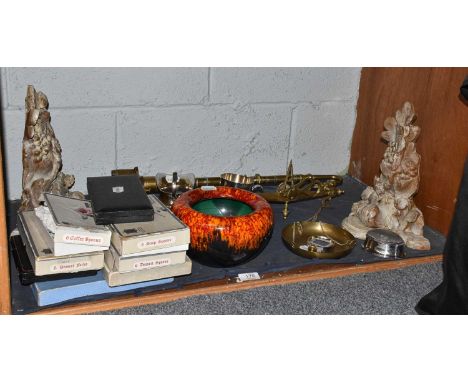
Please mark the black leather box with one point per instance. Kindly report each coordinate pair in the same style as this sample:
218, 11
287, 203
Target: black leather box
119, 199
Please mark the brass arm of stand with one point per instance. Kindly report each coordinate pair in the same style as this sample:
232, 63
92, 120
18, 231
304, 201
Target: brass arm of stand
273, 180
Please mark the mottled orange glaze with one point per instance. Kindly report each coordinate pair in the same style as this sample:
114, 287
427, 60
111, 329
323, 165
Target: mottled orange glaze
239, 232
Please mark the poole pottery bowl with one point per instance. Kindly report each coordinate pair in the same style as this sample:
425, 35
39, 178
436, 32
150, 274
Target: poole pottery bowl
228, 226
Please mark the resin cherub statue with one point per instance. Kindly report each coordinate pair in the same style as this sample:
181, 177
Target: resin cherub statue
389, 204
42, 155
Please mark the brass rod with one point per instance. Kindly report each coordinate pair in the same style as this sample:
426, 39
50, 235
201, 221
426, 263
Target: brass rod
209, 181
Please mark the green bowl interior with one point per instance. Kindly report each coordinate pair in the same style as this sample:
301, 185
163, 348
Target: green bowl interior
222, 207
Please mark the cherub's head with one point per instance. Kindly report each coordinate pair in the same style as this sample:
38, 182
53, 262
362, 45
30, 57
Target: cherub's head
42, 102
68, 181
401, 203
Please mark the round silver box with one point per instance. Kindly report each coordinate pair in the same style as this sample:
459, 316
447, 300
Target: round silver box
384, 243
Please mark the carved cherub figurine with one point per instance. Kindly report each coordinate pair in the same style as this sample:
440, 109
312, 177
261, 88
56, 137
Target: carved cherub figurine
389, 204
42, 155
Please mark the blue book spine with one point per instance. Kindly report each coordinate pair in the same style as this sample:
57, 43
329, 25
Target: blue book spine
57, 291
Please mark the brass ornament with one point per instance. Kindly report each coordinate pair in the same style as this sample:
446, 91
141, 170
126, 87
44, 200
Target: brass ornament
290, 187
303, 238
308, 187
316, 239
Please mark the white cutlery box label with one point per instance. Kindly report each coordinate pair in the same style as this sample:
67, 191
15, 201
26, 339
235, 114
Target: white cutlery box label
154, 243
82, 239
72, 266
151, 264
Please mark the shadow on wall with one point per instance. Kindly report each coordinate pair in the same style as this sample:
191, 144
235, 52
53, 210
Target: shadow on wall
2, 144
463, 96
10, 208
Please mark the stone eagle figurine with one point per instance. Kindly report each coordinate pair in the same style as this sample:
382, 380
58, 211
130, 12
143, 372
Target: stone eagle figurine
42, 155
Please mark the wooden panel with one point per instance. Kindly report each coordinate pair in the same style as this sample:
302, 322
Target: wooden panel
443, 143
5, 302
307, 273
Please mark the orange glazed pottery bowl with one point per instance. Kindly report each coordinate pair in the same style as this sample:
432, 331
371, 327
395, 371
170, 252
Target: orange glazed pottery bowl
228, 226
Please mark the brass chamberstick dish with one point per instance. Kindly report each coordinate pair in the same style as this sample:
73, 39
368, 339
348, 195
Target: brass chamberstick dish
318, 240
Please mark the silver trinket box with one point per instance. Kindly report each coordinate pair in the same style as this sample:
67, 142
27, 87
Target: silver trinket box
384, 243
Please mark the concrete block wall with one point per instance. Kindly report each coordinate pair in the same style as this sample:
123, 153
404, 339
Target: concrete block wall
201, 120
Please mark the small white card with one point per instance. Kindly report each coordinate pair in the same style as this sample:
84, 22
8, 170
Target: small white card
241, 277
208, 188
